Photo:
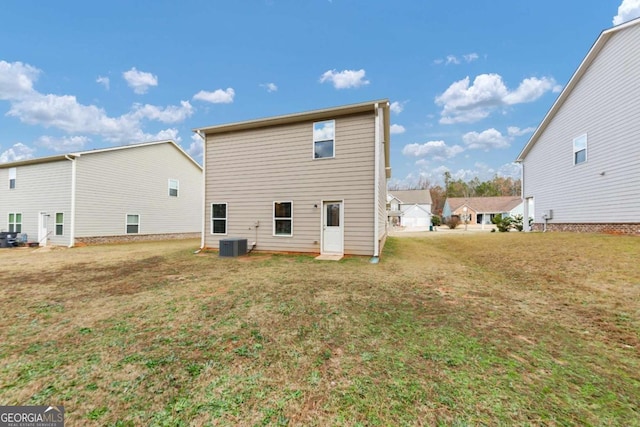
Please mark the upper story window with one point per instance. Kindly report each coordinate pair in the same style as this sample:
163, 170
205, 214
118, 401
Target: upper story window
282, 218
324, 139
580, 149
12, 178
173, 187
218, 218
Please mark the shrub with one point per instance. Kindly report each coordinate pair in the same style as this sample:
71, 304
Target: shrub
452, 222
435, 220
503, 224
517, 222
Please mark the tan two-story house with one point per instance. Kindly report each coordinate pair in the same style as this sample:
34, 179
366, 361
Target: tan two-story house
306, 182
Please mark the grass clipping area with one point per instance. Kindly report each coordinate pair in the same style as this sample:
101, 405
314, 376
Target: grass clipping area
489, 328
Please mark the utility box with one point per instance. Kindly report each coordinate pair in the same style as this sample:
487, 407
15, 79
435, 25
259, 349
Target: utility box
548, 214
232, 247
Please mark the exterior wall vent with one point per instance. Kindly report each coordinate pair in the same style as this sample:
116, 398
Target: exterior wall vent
233, 247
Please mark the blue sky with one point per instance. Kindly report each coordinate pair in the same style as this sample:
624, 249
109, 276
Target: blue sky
468, 80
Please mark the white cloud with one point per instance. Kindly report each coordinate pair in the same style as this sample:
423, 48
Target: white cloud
397, 129
511, 170
140, 81
16, 153
453, 59
171, 133
486, 140
438, 150
397, 107
16, 80
435, 175
64, 112
63, 144
218, 96
628, 10
531, 89
169, 114
196, 148
104, 81
463, 102
271, 87
470, 57
516, 131
345, 79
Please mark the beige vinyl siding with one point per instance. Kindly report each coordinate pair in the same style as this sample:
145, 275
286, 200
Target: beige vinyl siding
112, 184
44, 187
605, 105
251, 169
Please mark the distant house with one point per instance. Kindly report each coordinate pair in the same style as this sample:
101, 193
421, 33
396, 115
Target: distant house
581, 167
409, 208
306, 182
482, 210
134, 192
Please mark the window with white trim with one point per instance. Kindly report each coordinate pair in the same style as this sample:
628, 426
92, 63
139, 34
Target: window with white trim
580, 149
12, 178
283, 218
218, 218
15, 223
59, 224
133, 224
324, 139
173, 187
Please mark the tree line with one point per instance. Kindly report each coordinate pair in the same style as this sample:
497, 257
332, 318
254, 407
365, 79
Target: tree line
497, 186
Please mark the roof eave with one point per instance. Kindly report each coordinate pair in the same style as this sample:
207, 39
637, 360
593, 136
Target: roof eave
573, 81
321, 114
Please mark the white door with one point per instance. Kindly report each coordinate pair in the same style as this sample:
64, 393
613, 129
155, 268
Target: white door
332, 235
42, 228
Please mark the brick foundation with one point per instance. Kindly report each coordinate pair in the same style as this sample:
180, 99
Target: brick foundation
608, 228
128, 238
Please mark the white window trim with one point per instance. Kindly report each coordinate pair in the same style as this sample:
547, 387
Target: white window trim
126, 223
177, 188
226, 218
313, 146
15, 222
586, 149
12, 177
273, 213
58, 223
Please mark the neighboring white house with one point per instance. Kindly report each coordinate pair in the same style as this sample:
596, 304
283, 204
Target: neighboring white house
307, 182
409, 208
482, 210
581, 167
133, 192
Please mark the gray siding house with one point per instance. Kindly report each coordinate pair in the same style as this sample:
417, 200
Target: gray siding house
133, 192
581, 167
307, 182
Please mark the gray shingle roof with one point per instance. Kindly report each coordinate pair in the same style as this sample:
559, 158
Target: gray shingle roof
412, 197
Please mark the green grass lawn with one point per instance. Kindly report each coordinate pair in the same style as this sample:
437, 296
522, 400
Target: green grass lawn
482, 329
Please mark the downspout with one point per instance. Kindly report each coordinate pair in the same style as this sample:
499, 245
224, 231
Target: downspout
525, 204
72, 222
204, 181
376, 197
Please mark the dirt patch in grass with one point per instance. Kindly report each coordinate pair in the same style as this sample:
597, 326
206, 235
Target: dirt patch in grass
490, 329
